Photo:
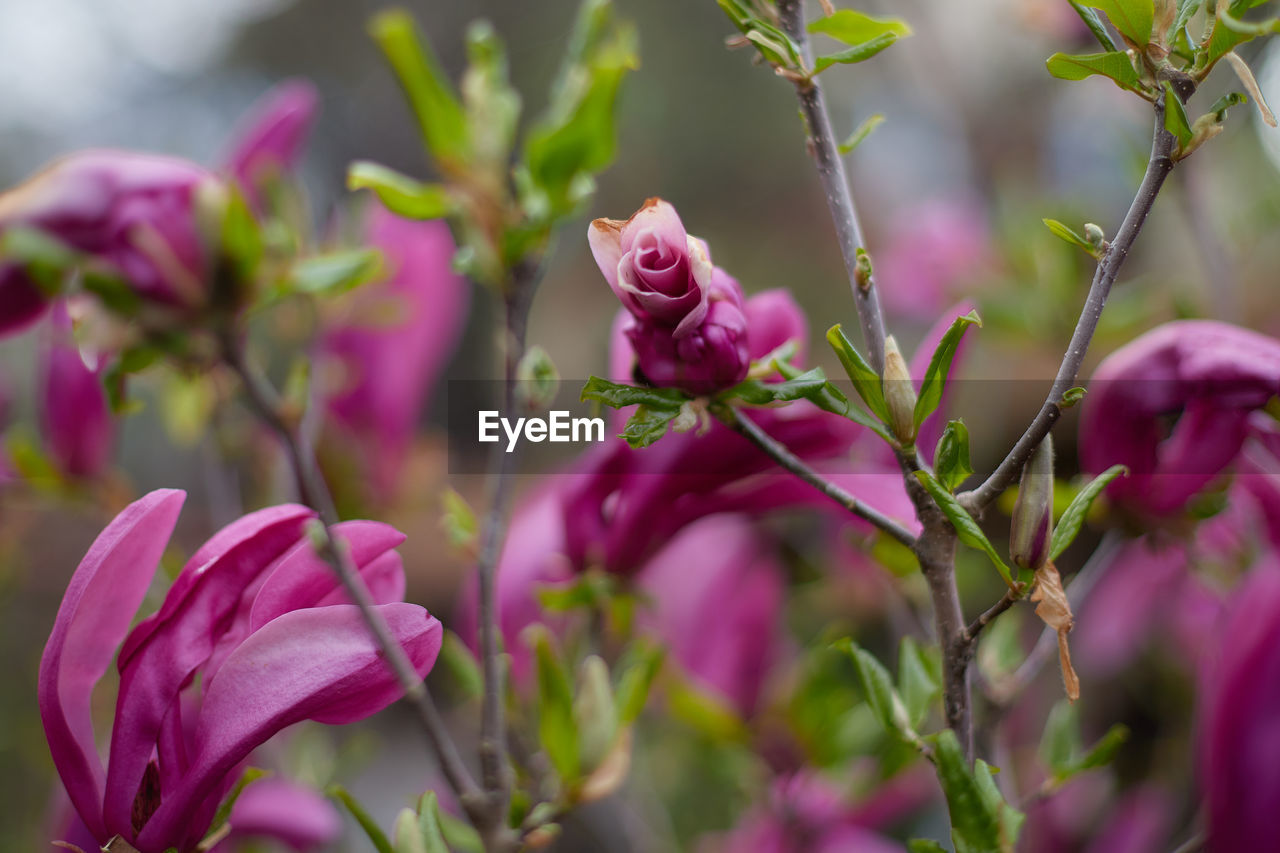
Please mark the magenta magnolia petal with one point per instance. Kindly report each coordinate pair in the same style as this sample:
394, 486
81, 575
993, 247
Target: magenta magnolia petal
273, 135
22, 301
288, 812
387, 370
74, 416
318, 664
932, 250
739, 581
303, 579
1211, 374
1239, 731
95, 613
178, 640
774, 318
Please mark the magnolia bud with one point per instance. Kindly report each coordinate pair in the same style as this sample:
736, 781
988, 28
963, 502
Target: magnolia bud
1032, 524
1093, 233
899, 394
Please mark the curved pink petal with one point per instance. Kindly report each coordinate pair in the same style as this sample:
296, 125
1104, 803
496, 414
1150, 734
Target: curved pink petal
74, 416
288, 812
318, 664
179, 639
100, 601
272, 135
303, 579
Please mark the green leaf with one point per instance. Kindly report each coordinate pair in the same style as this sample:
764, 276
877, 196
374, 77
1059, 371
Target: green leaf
492, 106
924, 845
1073, 518
935, 376
966, 528
1071, 397
877, 687
1060, 743
440, 115
401, 194
852, 27
1070, 235
647, 425
855, 54
1231, 99
1095, 25
861, 133
1133, 18
1115, 65
1230, 32
556, 727
865, 380
829, 398
979, 824
775, 46
919, 679
1175, 116
639, 667
458, 520
1104, 751
951, 457
461, 664
705, 712
335, 272
371, 829
617, 395
1186, 10
429, 824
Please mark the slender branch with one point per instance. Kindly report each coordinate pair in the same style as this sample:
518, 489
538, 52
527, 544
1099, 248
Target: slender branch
313, 491
989, 615
495, 766
788, 460
1158, 167
835, 185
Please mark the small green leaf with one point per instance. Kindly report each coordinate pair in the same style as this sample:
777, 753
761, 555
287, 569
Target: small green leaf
865, 380
335, 272
924, 845
429, 824
951, 457
966, 528
639, 667
440, 115
1231, 99
853, 28
617, 395
1095, 25
1073, 518
1175, 116
1071, 397
1115, 65
401, 194
829, 398
861, 133
458, 520
647, 425
1133, 18
919, 679
981, 822
877, 687
556, 727
1060, 743
855, 54
1070, 235
371, 829
935, 376
1104, 751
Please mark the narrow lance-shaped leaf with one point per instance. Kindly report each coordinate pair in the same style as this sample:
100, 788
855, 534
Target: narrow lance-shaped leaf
951, 457
400, 193
556, 728
1115, 65
1175, 116
919, 679
865, 380
429, 824
1095, 25
935, 376
1070, 235
966, 528
860, 133
617, 395
855, 54
829, 398
853, 27
976, 823
440, 115
878, 688
1073, 517
370, 826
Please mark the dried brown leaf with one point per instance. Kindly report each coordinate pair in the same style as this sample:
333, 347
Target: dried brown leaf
1055, 611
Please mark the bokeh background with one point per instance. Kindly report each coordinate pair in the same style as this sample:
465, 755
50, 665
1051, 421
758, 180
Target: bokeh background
978, 145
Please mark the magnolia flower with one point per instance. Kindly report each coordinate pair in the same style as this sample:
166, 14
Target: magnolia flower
253, 636
1239, 720
272, 137
395, 341
931, 251
1204, 376
75, 419
689, 328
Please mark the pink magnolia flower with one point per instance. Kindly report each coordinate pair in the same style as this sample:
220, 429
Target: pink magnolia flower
688, 327
1206, 376
1239, 725
932, 250
310, 820
253, 636
272, 136
396, 341
75, 419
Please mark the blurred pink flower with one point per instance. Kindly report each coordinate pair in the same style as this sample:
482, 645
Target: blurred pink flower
932, 251
396, 341
75, 419
253, 636
289, 813
1239, 719
1208, 377
270, 138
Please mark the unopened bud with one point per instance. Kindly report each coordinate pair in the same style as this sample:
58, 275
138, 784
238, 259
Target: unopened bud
862, 269
1032, 525
899, 394
1094, 235
594, 712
